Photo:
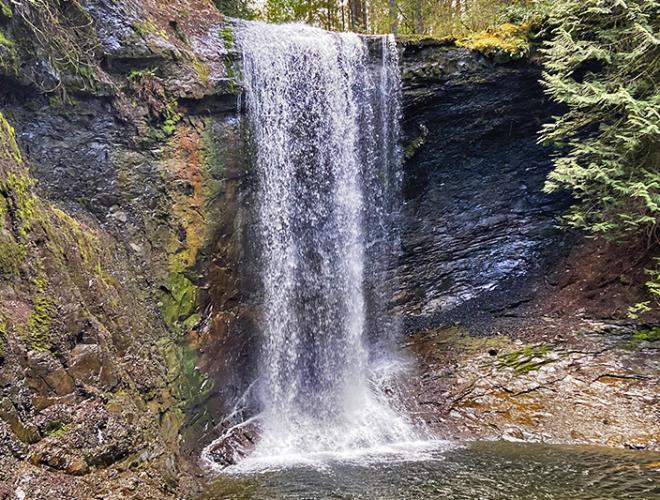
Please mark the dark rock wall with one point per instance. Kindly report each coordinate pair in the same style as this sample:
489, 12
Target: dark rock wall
478, 230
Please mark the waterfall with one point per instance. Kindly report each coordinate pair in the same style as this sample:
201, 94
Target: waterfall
323, 110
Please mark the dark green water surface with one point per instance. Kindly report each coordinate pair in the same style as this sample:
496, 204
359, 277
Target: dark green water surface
469, 471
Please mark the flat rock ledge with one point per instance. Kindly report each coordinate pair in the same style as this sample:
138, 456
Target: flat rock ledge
551, 381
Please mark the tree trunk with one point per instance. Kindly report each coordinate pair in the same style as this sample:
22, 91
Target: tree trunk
343, 17
394, 18
418, 19
353, 11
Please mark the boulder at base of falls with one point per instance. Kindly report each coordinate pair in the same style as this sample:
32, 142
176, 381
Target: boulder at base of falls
236, 445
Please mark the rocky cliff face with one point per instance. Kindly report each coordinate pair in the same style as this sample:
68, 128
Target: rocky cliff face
478, 228
520, 329
121, 171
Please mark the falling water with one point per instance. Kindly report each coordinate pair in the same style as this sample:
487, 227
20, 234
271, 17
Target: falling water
323, 111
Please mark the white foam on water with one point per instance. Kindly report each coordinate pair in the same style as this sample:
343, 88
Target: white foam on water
390, 453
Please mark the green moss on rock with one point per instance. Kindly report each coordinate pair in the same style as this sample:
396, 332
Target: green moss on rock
172, 116
83, 240
43, 310
5, 9
179, 300
8, 146
5, 41
231, 75
227, 36
59, 430
202, 70
194, 389
12, 254
527, 359
194, 385
647, 335
17, 202
148, 27
23, 202
137, 74
508, 40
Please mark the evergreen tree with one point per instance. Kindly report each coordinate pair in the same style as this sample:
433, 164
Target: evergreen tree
603, 63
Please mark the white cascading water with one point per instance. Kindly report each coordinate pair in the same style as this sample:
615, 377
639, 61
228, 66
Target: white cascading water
323, 110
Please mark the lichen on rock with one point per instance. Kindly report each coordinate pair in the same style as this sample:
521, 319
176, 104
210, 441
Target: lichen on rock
504, 41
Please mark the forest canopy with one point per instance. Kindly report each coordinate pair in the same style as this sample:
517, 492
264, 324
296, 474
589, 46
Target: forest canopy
405, 17
602, 62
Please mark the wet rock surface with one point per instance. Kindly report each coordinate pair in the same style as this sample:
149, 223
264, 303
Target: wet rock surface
127, 168
582, 382
477, 230
235, 444
520, 329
